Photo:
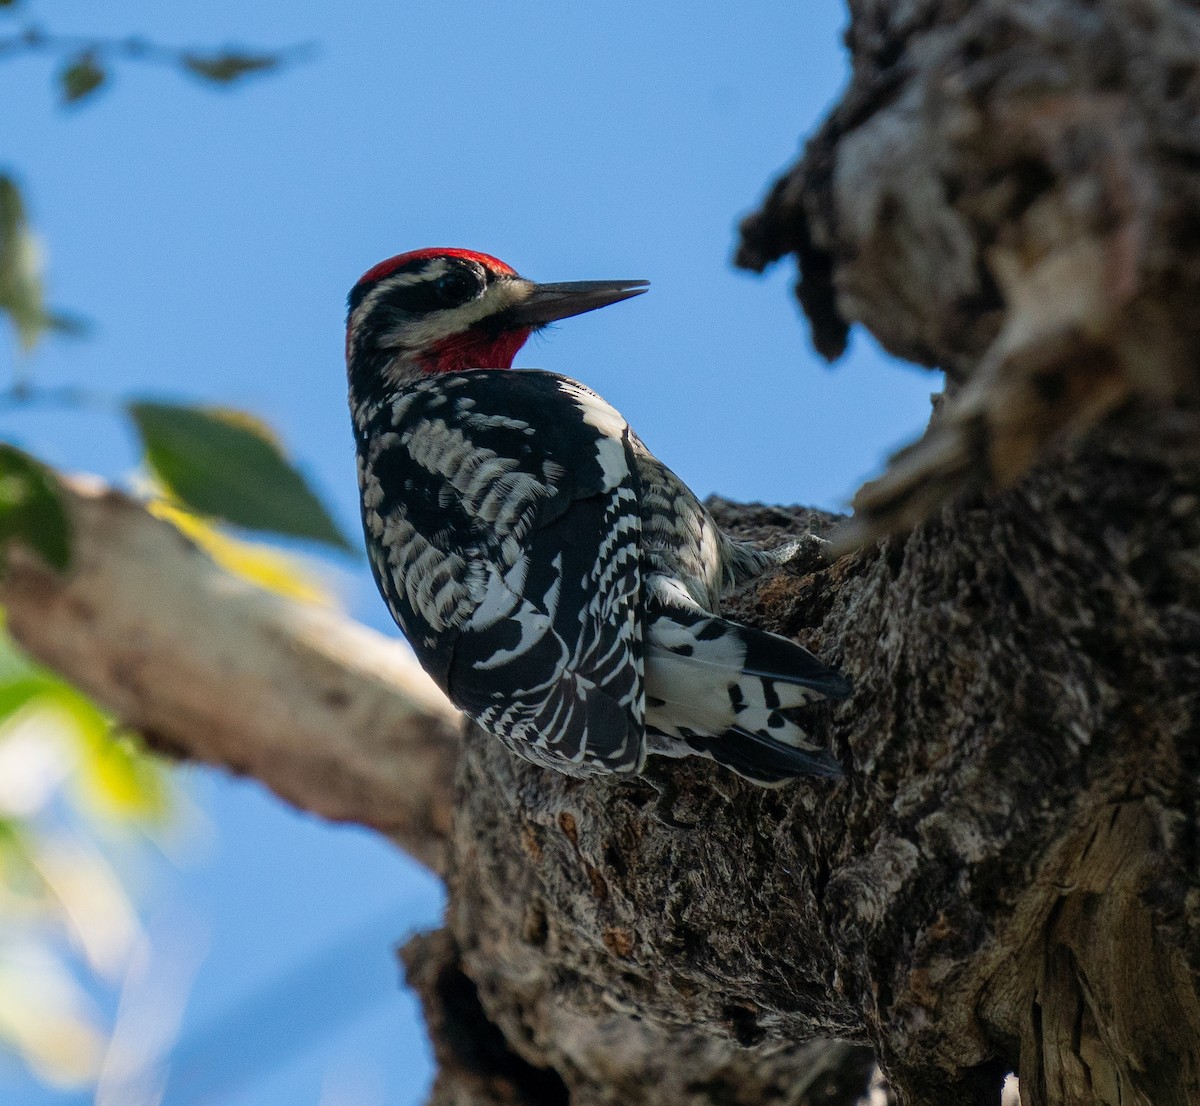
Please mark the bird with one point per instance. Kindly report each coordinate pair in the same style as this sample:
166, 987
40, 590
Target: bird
559, 583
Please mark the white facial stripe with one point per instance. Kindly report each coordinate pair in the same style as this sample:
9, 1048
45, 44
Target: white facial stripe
421, 334
498, 296
432, 271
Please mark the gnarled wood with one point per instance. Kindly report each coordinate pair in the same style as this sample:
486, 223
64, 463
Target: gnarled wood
1007, 877
1008, 191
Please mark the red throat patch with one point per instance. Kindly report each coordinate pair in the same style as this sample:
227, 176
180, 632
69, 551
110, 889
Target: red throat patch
473, 349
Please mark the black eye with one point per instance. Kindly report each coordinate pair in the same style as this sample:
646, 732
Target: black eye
456, 287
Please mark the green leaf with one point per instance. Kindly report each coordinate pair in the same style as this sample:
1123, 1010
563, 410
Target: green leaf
31, 509
21, 295
20, 692
229, 66
81, 78
227, 464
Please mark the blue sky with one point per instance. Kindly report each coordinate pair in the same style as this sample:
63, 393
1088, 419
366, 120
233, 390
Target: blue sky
211, 236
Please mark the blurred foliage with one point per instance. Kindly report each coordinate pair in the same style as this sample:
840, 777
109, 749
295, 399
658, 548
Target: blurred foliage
76, 791
20, 268
31, 509
71, 788
83, 76
217, 462
21, 295
89, 62
229, 66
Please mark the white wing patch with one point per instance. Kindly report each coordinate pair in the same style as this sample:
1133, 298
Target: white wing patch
596, 412
533, 625
599, 413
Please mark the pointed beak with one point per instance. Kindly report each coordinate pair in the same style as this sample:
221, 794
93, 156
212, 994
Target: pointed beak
546, 303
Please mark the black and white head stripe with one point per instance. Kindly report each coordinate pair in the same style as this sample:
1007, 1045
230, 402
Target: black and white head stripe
426, 284
430, 299
418, 263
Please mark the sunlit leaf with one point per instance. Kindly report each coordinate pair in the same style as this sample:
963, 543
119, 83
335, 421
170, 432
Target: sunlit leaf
227, 465
260, 564
118, 779
81, 78
229, 66
110, 771
31, 508
21, 296
113, 775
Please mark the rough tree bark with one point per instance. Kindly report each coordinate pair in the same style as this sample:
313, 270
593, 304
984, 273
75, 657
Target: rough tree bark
1008, 876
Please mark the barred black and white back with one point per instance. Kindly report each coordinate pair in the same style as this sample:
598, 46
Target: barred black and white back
560, 584
508, 554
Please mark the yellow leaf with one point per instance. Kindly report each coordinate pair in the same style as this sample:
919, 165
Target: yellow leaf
118, 779
260, 564
55, 736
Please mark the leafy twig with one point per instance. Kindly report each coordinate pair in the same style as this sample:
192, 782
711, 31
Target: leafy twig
89, 58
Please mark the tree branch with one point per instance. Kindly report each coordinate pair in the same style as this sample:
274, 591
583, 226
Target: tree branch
332, 716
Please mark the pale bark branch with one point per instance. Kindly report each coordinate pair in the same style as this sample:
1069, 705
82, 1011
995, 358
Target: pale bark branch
330, 715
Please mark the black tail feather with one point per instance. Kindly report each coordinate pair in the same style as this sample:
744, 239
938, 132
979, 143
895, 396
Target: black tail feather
777, 658
764, 761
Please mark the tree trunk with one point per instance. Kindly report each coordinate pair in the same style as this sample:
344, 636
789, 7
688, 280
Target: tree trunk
1008, 878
